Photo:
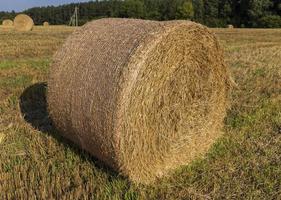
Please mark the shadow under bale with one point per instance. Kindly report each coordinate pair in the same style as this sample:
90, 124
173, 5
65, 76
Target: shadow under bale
33, 107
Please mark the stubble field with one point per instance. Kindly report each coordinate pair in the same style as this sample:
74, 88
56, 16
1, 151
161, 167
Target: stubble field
36, 163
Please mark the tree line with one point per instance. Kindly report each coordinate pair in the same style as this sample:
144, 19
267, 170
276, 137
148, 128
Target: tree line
213, 13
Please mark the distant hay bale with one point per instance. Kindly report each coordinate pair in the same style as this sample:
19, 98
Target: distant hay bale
7, 22
46, 24
23, 22
230, 26
144, 97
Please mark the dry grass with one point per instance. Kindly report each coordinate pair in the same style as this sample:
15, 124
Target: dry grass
41, 42
36, 162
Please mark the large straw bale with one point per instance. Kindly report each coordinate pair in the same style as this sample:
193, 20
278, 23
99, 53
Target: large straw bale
142, 96
46, 24
23, 22
230, 26
7, 22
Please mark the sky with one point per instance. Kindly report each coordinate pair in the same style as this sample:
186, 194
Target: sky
20, 5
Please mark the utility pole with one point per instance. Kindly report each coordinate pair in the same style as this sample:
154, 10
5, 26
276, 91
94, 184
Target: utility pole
76, 14
74, 18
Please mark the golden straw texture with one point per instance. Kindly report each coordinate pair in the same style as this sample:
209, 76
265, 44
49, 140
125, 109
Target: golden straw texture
7, 22
46, 24
23, 22
144, 97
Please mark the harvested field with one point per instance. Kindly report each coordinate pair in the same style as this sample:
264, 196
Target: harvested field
35, 161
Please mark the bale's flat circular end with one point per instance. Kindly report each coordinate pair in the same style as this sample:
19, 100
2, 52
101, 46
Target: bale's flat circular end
145, 97
46, 24
173, 104
7, 23
23, 22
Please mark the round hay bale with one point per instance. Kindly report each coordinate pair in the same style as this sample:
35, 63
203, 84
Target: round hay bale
142, 96
46, 24
230, 26
7, 22
23, 22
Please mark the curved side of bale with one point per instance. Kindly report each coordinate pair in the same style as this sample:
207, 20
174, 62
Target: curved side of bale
144, 97
46, 24
7, 22
23, 22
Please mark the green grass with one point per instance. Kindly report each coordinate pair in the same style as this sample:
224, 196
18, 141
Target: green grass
41, 64
37, 163
16, 81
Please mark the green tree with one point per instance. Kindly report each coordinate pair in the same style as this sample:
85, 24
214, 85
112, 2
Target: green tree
225, 12
185, 11
270, 21
168, 9
199, 10
214, 13
211, 8
133, 9
258, 9
152, 9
